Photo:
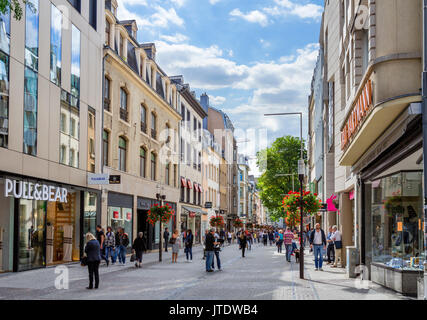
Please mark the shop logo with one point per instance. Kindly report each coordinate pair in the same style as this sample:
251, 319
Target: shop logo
34, 191
62, 281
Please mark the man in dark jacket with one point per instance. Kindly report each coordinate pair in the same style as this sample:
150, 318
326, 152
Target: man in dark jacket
317, 242
93, 254
166, 238
210, 248
139, 247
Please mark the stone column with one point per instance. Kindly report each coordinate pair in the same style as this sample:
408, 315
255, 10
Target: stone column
346, 226
112, 36
144, 68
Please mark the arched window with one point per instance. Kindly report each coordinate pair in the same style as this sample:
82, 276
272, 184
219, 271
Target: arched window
106, 143
153, 125
167, 174
153, 166
168, 135
143, 119
122, 154
143, 162
107, 99
123, 104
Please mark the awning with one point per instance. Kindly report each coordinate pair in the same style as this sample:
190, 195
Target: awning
200, 188
183, 182
196, 187
189, 184
196, 210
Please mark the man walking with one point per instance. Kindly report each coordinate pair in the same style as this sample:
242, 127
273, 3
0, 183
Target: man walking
100, 236
166, 238
287, 239
317, 241
330, 251
210, 247
337, 239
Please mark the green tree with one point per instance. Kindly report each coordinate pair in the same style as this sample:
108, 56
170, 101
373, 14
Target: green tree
15, 6
281, 158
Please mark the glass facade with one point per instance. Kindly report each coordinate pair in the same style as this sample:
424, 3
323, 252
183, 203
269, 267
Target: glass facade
75, 62
30, 111
120, 217
69, 130
32, 35
55, 45
90, 213
4, 78
397, 220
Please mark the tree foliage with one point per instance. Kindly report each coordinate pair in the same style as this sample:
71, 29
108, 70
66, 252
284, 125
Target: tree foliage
281, 158
15, 6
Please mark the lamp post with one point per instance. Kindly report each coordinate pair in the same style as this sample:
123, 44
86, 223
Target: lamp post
160, 197
301, 174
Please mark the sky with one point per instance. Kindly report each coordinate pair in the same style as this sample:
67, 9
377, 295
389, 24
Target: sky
250, 56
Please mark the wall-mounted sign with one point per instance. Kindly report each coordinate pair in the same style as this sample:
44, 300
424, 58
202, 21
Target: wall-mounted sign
359, 113
116, 215
192, 214
99, 179
208, 205
115, 179
34, 191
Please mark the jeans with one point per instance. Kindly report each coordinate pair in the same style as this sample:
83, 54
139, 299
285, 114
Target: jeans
189, 252
110, 251
318, 257
279, 246
93, 268
288, 251
331, 253
166, 244
294, 247
209, 260
218, 261
121, 252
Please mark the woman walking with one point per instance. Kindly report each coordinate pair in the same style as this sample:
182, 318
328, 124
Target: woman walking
189, 245
176, 244
279, 241
93, 254
110, 245
138, 247
243, 243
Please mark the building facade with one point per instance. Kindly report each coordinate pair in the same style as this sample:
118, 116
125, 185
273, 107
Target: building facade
50, 120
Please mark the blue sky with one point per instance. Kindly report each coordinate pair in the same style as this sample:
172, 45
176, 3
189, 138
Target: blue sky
250, 56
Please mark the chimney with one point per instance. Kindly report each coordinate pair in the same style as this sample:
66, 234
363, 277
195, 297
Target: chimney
204, 101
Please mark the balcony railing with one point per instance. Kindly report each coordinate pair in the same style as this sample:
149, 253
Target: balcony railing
124, 115
143, 127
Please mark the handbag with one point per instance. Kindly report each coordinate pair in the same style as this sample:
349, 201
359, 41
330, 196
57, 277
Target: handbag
338, 244
133, 258
83, 261
172, 240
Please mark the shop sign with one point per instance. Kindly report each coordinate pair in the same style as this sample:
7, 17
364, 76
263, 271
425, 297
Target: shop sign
115, 215
129, 216
115, 179
98, 179
34, 191
208, 205
359, 113
192, 214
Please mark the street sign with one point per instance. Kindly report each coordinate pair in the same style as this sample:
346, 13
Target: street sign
115, 179
208, 205
324, 207
99, 179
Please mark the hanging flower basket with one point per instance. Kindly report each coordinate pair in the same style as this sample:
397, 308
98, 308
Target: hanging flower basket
160, 213
291, 206
249, 225
238, 223
217, 222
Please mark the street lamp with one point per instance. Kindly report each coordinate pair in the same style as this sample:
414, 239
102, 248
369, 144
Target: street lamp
301, 173
160, 197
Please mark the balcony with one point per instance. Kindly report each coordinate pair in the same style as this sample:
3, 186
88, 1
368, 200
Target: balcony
124, 115
143, 127
107, 104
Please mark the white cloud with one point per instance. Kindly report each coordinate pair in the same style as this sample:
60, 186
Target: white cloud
176, 38
213, 2
217, 101
287, 7
254, 16
178, 3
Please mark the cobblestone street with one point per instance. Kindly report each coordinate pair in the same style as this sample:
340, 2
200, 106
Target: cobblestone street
262, 275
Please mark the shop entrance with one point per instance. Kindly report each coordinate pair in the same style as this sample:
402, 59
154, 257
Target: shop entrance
143, 226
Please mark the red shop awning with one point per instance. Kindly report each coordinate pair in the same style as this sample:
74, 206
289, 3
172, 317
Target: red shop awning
189, 184
183, 182
200, 188
196, 187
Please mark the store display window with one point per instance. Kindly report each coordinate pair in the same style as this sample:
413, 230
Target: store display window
121, 217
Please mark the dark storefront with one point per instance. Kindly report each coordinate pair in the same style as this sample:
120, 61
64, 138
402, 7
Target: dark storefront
120, 213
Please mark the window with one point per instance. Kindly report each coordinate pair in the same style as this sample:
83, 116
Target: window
107, 32
182, 198
122, 154
30, 112
188, 195
188, 120
76, 4
143, 119
69, 129
123, 105
4, 78
92, 13
194, 194
153, 166
159, 85
91, 140
168, 137
200, 132
75, 61
107, 101
121, 46
32, 35
105, 142
188, 154
55, 45
175, 174
142, 162
167, 174
153, 126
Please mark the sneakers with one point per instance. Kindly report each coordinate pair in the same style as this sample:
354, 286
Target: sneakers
320, 269
316, 269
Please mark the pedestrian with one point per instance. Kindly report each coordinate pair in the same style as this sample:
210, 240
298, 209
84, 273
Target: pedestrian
229, 237
337, 239
166, 238
123, 244
271, 237
309, 235
100, 236
317, 242
93, 254
279, 241
188, 243
110, 245
287, 240
330, 251
210, 247
217, 250
176, 244
139, 247
265, 238
204, 244
243, 244
294, 242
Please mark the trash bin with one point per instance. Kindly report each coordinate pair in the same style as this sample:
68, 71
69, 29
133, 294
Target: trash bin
352, 261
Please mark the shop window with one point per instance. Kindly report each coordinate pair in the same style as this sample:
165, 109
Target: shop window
143, 162
75, 61
90, 213
397, 220
119, 217
30, 111
4, 77
105, 149
153, 166
55, 45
